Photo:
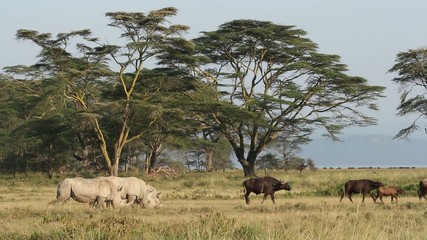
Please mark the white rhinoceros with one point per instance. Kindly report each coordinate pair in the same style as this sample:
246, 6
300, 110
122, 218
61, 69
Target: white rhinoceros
135, 190
100, 190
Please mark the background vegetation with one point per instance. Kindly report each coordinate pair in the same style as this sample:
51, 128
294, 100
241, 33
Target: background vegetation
90, 104
211, 206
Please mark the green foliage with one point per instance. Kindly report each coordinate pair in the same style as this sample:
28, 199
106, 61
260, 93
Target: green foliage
411, 190
253, 82
328, 191
269, 161
100, 110
411, 67
270, 81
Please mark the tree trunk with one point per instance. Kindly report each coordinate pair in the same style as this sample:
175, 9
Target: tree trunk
155, 148
209, 159
153, 161
248, 167
147, 162
85, 155
248, 163
50, 172
115, 166
114, 170
249, 170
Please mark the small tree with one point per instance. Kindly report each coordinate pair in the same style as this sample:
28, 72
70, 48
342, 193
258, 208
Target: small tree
269, 161
311, 164
294, 163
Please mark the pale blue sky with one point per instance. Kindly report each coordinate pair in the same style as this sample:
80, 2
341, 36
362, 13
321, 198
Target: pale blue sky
366, 34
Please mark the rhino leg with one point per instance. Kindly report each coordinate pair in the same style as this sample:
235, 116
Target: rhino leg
101, 202
131, 199
63, 194
93, 204
60, 200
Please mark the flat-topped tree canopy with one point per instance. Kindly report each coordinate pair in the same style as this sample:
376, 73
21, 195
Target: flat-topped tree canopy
270, 80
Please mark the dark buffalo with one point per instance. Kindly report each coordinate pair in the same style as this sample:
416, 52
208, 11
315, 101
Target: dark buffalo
422, 189
266, 185
363, 186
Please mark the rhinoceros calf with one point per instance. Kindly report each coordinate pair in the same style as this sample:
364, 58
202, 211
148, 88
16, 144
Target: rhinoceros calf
89, 191
135, 190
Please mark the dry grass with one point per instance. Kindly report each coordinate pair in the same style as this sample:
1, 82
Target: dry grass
211, 206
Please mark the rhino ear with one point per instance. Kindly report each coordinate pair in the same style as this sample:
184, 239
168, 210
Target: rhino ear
158, 193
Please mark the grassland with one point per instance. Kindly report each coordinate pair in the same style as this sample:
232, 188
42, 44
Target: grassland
211, 206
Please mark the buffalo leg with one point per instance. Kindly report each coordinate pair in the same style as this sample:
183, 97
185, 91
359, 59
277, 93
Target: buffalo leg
349, 197
373, 197
272, 198
247, 197
263, 198
342, 196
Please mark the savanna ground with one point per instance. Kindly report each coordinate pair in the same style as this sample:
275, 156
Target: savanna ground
212, 206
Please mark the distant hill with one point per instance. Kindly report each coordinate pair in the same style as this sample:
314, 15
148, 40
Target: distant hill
367, 151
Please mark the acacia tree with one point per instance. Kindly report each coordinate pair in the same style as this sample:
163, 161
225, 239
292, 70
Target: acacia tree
144, 35
168, 90
107, 99
44, 136
217, 153
69, 82
270, 79
15, 109
411, 67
